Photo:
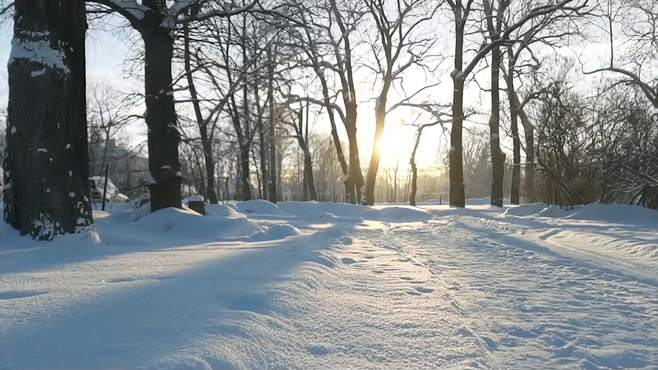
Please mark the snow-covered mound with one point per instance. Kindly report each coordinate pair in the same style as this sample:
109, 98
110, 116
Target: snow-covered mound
345, 211
325, 210
221, 223
276, 231
614, 213
623, 233
403, 214
524, 210
257, 206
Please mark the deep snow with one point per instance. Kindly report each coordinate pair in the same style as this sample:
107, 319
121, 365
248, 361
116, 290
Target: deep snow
320, 285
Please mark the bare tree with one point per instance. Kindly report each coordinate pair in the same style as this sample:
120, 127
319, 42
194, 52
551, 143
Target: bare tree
107, 113
347, 16
461, 12
640, 25
397, 38
156, 22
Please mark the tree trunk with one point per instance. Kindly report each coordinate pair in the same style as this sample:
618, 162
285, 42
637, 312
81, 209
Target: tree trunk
457, 190
263, 158
310, 192
163, 134
373, 168
272, 178
245, 184
206, 141
514, 125
355, 180
308, 173
46, 168
334, 131
517, 112
262, 143
414, 169
497, 156
529, 130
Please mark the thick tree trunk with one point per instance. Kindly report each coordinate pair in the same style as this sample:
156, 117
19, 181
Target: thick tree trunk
308, 174
310, 192
46, 169
163, 134
457, 189
245, 185
497, 156
355, 180
209, 160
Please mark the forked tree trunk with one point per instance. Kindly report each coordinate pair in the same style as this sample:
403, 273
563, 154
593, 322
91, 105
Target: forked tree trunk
529, 132
46, 169
163, 134
334, 130
497, 156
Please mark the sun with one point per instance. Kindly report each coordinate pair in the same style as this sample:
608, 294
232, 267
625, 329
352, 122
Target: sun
397, 144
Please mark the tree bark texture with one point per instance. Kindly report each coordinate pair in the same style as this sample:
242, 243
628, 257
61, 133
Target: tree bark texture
46, 168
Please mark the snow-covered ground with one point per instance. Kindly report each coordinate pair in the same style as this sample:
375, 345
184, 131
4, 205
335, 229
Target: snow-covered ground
331, 286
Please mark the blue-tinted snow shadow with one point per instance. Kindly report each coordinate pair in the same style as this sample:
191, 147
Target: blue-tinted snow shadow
143, 321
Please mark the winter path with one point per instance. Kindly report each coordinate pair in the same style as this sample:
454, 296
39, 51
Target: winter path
334, 286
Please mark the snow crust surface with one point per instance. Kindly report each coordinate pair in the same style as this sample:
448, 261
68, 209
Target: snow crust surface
255, 285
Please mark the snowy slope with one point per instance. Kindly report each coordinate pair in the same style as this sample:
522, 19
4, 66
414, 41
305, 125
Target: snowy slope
319, 285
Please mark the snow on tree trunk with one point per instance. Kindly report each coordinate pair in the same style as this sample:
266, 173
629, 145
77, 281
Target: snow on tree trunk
46, 168
163, 134
455, 155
